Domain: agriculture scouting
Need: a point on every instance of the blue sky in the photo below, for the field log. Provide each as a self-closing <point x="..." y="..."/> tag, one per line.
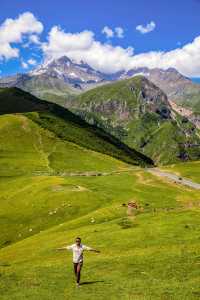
<point x="176" y="24"/>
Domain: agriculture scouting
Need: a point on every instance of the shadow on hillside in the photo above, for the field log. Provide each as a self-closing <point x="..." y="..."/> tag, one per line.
<point x="91" y="282"/>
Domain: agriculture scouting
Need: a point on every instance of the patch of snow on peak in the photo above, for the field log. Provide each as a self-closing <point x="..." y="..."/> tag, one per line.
<point x="72" y="74"/>
<point x="37" y="71"/>
<point x="141" y="74"/>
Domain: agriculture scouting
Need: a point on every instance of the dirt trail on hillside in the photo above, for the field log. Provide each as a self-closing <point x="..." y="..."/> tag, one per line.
<point x="95" y="174"/>
<point x="175" y="178"/>
<point x="155" y="171"/>
<point x="86" y="174"/>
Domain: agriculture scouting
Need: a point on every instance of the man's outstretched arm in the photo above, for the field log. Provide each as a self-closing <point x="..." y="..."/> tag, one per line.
<point x="65" y="248"/>
<point x="61" y="248"/>
<point x="94" y="250"/>
<point x="90" y="249"/>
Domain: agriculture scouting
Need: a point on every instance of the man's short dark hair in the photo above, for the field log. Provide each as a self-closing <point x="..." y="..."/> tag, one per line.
<point x="78" y="238"/>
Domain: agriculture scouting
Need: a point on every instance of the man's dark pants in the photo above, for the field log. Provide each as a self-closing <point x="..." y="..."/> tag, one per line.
<point x="77" y="271"/>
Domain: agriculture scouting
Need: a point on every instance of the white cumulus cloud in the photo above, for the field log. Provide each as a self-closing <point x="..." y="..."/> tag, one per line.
<point x="60" y="42"/>
<point x="108" y="32"/>
<point x="116" y="32"/>
<point x="186" y="59"/>
<point x="24" y="65"/>
<point x="119" y="32"/>
<point x="14" y="30"/>
<point x="83" y="46"/>
<point x="33" y="38"/>
<point x="146" y="29"/>
<point x="32" y="62"/>
<point x="29" y="63"/>
<point x="108" y="58"/>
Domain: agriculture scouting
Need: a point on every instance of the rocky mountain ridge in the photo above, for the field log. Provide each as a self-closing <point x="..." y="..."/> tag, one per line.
<point x="61" y="80"/>
<point x="138" y="113"/>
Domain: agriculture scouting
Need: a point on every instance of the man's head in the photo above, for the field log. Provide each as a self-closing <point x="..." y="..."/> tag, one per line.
<point x="78" y="241"/>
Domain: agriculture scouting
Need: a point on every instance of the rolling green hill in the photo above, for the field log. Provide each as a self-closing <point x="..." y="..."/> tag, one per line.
<point x="154" y="256"/>
<point x="139" y="114"/>
<point x="67" y="126"/>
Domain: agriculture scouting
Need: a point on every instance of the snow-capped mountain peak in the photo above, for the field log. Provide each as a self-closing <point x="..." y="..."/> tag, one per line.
<point x="68" y="70"/>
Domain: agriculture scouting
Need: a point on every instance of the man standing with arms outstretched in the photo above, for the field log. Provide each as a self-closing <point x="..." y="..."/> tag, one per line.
<point x="78" y="250"/>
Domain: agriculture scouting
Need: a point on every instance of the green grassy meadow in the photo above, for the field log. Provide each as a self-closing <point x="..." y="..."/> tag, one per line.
<point x="154" y="256"/>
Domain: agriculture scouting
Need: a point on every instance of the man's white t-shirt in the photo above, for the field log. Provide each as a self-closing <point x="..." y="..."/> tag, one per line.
<point x="78" y="252"/>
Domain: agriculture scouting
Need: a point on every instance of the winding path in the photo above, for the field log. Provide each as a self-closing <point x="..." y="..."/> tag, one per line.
<point x="175" y="178"/>
<point x="155" y="171"/>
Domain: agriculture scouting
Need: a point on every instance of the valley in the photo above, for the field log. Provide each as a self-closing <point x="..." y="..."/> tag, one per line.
<point x="61" y="177"/>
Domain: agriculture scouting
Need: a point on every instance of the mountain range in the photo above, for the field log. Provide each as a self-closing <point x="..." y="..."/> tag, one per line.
<point x="140" y="109"/>
<point x="61" y="79"/>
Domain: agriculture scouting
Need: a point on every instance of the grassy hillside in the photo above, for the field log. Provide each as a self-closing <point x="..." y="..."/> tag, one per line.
<point x="155" y="256"/>
<point x="28" y="150"/>
<point x="139" y="114"/>
<point x="67" y="126"/>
